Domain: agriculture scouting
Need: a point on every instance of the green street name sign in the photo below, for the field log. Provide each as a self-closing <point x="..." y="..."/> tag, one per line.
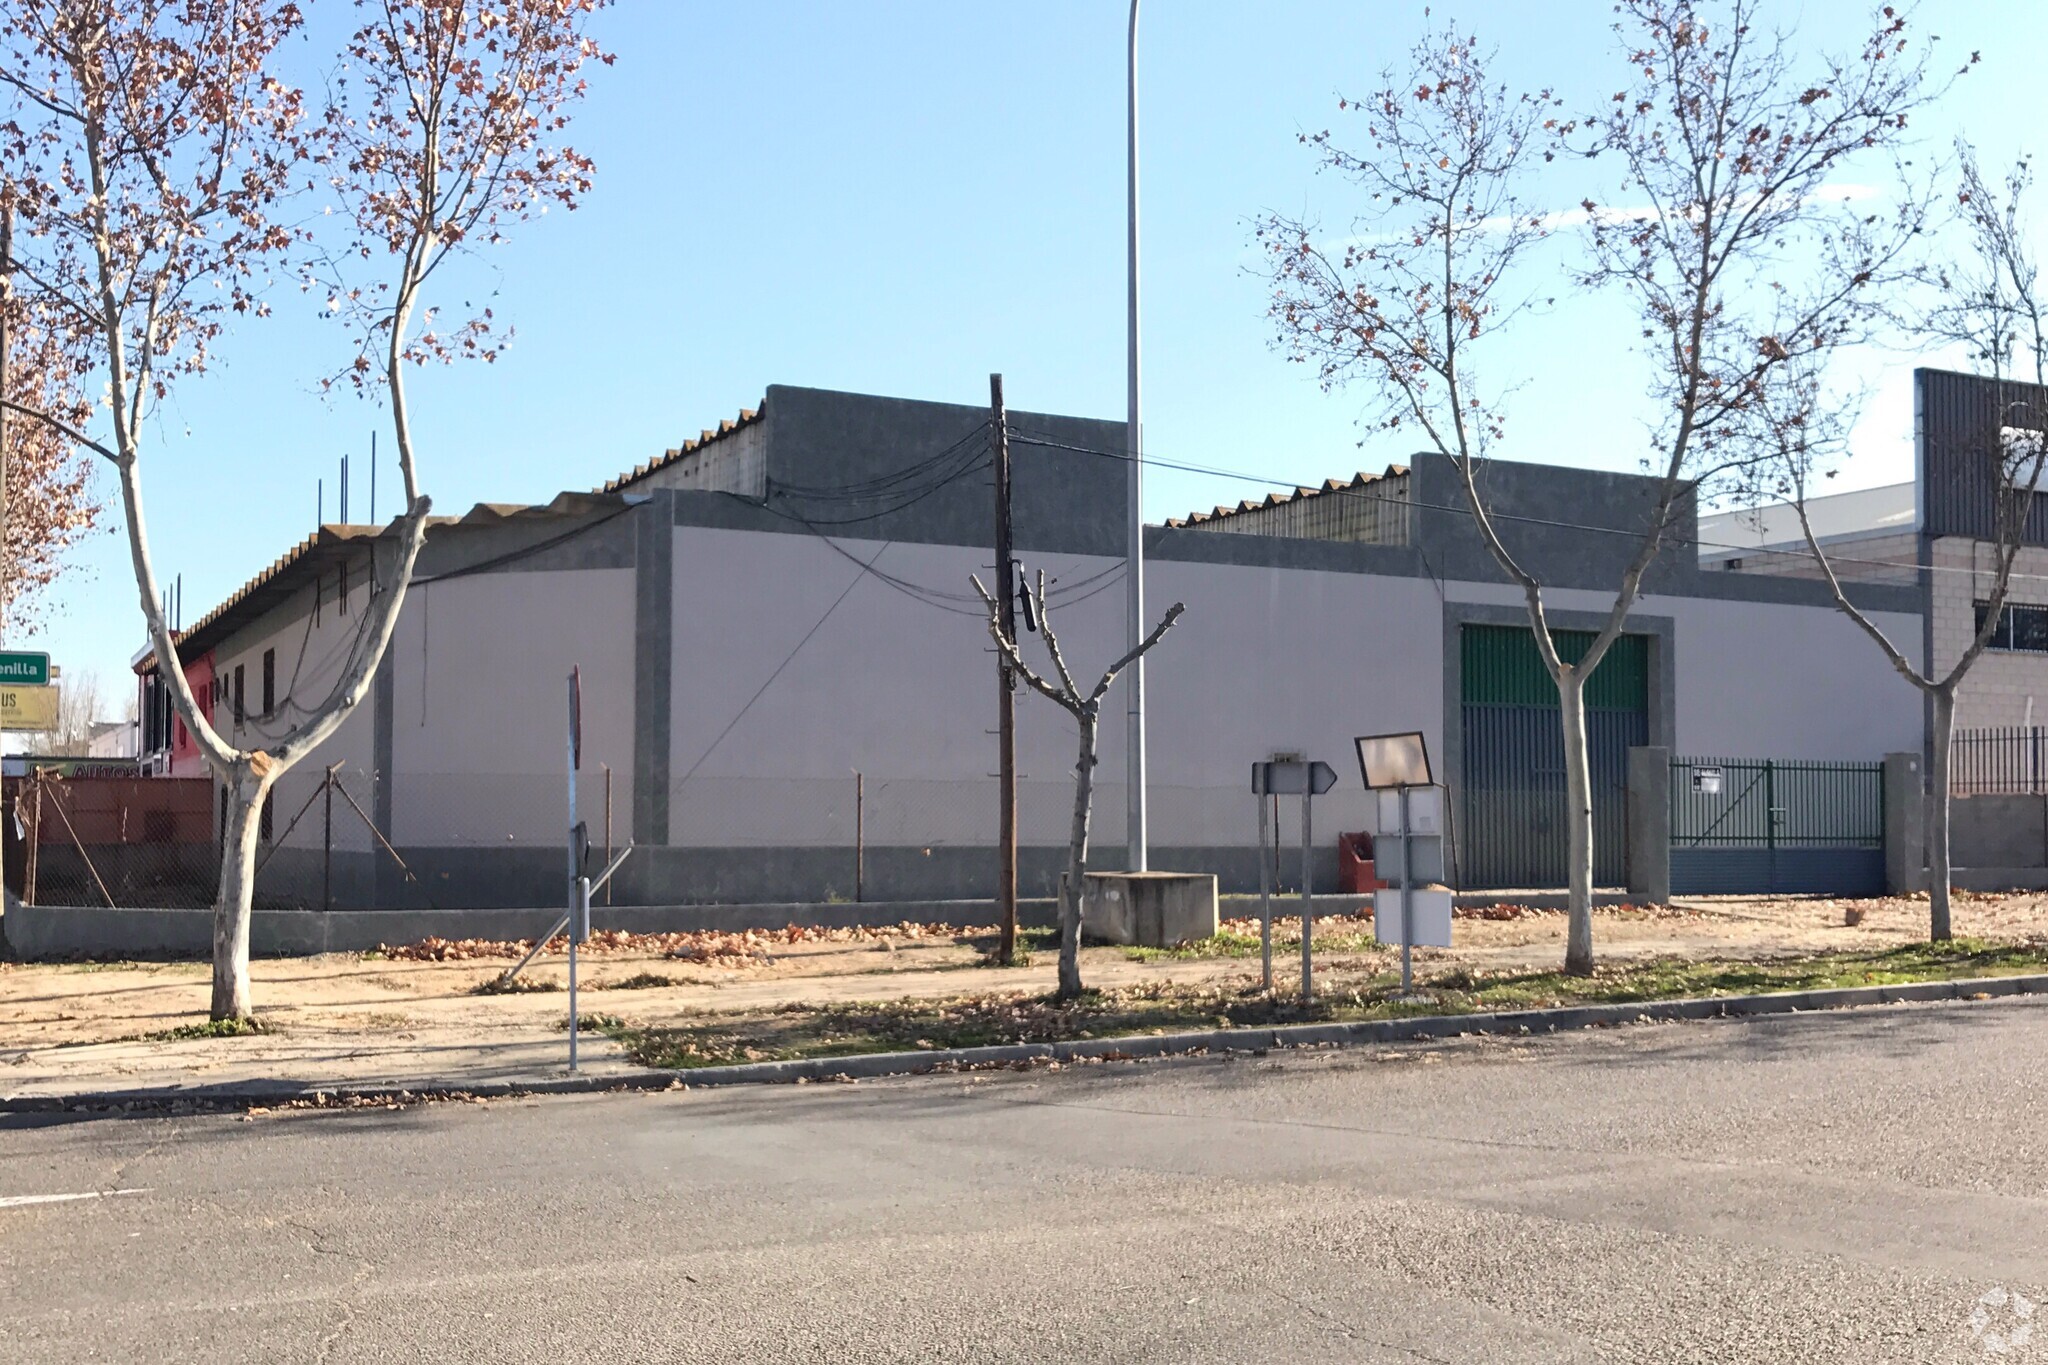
<point x="24" y="669"/>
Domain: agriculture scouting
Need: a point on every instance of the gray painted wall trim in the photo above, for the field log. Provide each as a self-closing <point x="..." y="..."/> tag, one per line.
<point x="654" y="585"/>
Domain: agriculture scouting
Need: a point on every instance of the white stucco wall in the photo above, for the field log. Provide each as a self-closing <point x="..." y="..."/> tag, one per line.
<point x="311" y="655"/>
<point x="904" y="691"/>
<point x="480" y="697"/>
<point x="1764" y="681"/>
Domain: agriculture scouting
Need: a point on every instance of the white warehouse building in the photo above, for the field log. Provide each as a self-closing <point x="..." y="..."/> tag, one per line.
<point x="781" y="657"/>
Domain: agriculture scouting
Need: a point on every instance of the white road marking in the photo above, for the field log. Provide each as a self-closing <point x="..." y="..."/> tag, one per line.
<point x="15" y="1201"/>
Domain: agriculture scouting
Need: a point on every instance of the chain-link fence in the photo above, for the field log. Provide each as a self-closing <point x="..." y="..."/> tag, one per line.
<point x="146" y="841"/>
<point x="347" y="838"/>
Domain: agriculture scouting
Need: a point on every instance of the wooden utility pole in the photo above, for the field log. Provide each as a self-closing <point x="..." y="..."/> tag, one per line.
<point x="1006" y="698"/>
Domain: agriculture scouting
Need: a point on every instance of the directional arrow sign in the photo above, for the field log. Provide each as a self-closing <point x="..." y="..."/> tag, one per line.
<point x="24" y="669"/>
<point x="1291" y="779"/>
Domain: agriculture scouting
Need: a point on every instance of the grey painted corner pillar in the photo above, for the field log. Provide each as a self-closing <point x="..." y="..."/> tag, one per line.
<point x="654" y="538"/>
<point x="1905" y="824"/>
<point x="1649" y="824"/>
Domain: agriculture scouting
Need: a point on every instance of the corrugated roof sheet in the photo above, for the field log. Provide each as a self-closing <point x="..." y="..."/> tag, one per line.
<point x="1359" y="480"/>
<point x="747" y="418"/>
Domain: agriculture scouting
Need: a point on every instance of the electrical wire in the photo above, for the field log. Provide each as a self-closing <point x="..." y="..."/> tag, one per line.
<point x="882" y="484"/>
<point x="1045" y="441"/>
<point x="769" y="682"/>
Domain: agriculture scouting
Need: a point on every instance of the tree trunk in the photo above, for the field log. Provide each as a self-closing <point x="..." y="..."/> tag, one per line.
<point x="1578" y="813"/>
<point x="1937" y="816"/>
<point x="1077" y="855"/>
<point x="247" y="788"/>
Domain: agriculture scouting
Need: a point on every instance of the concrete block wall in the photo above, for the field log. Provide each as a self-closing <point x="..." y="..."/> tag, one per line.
<point x="2002" y="687"/>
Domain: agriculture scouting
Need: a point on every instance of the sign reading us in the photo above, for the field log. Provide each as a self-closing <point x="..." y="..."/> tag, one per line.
<point x="30" y="670"/>
<point x="28" y="708"/>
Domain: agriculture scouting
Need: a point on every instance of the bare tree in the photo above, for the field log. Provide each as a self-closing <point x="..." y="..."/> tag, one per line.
<point x="1086" y="709"/>
<point x="1988" y="301"/>
<point x="80" y="704"/>
<point x="153" y="145"/>
<point x="1728" y="246"/>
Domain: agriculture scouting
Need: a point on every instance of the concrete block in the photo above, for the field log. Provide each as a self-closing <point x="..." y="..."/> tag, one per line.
<point x="1149" y="909"/>
<point x="1905" y="824"/>
<point x="1649" y="824"/>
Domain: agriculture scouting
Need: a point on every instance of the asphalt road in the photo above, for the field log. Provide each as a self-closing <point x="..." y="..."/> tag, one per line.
<point x="1841" y="1187"/>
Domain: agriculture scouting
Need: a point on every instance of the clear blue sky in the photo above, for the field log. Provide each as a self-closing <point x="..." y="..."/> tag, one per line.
<point x="899" y="197"/>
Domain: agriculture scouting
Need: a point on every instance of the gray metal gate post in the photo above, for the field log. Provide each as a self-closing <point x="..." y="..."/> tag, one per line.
<point x="1905" y="828"/>
<point x="1649" y="824"/>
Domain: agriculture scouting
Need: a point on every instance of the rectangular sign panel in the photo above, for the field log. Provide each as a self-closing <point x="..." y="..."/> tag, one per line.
<point x="1387" y="862"/>
<point x="1432" y="926"/>
<point x="28" y="708"/>
<point x="21" y="666"/>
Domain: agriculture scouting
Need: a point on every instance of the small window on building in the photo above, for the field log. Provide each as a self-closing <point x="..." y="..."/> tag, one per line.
<point x="269" y="681"/>
<point x="2023" y="629"/>
<point x="241" y="697"/>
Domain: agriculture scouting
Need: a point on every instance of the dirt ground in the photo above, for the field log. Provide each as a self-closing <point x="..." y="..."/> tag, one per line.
<point x="332" y="998"/>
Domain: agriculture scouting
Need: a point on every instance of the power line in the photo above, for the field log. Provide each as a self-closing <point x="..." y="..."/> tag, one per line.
<point x="786" y="660"/>
<point x="1045" y="441"/>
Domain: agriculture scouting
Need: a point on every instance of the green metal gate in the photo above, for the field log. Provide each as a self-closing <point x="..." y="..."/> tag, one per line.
<point x="1776" y="827"/>
<point x="1511" y="807"/>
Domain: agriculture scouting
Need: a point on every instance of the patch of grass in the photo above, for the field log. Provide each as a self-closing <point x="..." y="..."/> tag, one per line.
<point x="1232" y="944"/>
<point x="1029" y="939"/>
<point x="518" y="985"/>
<point x="211" y="1028"/>
<point x="609" y="1025"/>
<point x="122" y="964"/>
<point x="639" y="981"/>
<point x="708" y="1038"/>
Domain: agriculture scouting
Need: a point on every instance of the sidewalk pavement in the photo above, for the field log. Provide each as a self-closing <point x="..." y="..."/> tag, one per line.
<point x="267" y="1068"/>
<point x="496" y="1061"/>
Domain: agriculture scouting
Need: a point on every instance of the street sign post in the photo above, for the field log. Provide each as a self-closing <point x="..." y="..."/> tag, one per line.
<point x="1411" y="808"/>
<point x="26" y="668"/>
<point x="1288" y="777"/>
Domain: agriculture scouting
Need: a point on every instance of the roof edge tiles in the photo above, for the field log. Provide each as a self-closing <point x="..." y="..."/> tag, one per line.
<point x="1359" y="480"/>
<point x="726" y="427"/>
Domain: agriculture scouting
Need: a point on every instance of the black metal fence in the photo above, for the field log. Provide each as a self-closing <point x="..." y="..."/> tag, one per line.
<point x="1743" y="826"/>
<point x="1731" y="802"/>
<point x="2008" y="760"/>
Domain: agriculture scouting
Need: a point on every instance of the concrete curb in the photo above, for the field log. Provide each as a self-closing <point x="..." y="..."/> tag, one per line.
<point x="876" y="1065"/>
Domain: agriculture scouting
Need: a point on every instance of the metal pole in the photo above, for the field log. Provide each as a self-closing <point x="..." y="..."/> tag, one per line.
<point x="326" y="841"/>
<point x="607" y="827"/>
<point x="579" y="928"/>
<point x="1006" y="698"/>
<point x="1265" y="901"/>
<point x="1134" y="775"/>
<point x="1407" y="900"/>
<point x="860" y="837"/>
<point x="1308" y="989"/>
<point x="573" y="756"/>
